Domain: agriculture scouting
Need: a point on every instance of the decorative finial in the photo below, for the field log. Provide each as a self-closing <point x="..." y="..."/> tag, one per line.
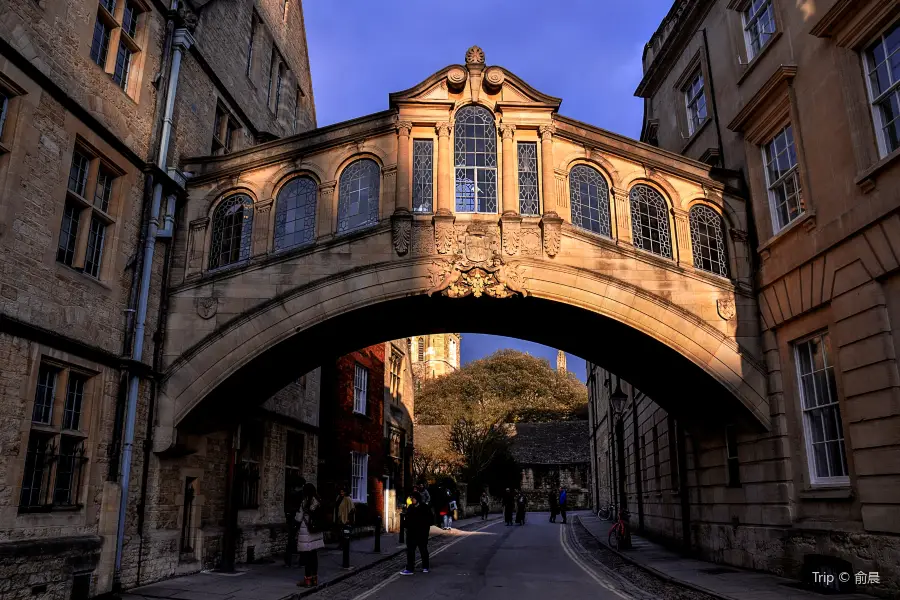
<point x="475" y="56"/>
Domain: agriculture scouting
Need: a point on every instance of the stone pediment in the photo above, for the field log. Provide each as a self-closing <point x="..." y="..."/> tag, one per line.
<point x="472" y="80"/>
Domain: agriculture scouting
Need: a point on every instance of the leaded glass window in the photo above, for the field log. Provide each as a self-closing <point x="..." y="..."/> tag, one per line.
<point x="475" y="147"/>
<point x="759" y="25"/>
<point x="650" y="221"/>
<point x="103" y="190"/>
<point x="78" y="173"/>
<point x="295" y="214"/>
<point x="68" y="234"/>
<point x="94" y="255"/>
<point x="74" y="401"/>
<point x="423" y="175"/>
<point x="232" y="225"/>
<point x="123" y="66"/>
<point x="708" y="240"/>
<point x="529" y="203"/>
<point x="589" y="197"/>
<point x="100" y="42"/>
<point x="45" y="394"/>
<point x="358" y="195"/>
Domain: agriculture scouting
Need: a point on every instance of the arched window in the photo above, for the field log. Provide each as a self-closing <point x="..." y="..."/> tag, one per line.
<point x="420" y="348"/>
<point x="589" y="196"/>
<point x="232" y="224"/>
<point x="708" y="240"/>
<point x="295" y="213"/>
<point x="650" y="221"/>
<point x="358" y="195"/>
<point x="476" y="160"/>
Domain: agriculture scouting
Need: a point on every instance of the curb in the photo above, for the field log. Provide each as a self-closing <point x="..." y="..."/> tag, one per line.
<point x="363" y="568"/>
<point x="655" y="572"/>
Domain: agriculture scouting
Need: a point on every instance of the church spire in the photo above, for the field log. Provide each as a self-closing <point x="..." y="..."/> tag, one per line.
<point x="560" y="361"/>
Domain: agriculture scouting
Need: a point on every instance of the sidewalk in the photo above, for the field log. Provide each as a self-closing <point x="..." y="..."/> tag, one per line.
<point x="724" y="581"/>
<point x="274" y="581"/>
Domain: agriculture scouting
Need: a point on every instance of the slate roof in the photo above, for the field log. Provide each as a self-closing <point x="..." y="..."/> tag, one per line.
<point x="554" y="443"/>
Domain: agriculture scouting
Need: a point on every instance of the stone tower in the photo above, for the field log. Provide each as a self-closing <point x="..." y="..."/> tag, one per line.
<point x="560" y="361"/>
<point x="434" y="355"/>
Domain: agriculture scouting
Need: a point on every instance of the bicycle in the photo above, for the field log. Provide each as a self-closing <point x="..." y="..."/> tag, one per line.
<point x="606" y="512"/>
<point x="618" y="533"/>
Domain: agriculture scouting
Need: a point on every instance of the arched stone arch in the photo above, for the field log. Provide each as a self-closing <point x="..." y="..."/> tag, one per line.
<point x="662" y="185"/>
<point x="226" y="188"/>
<point x="288" y="172"/>
<point x="238" y="343"/>
<point x="487" y="103"/>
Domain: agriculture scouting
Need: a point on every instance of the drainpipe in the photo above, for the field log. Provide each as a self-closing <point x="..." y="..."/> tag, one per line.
<point x="181" y="43"/>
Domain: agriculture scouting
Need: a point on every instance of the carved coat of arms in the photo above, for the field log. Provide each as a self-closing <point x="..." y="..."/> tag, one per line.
<point x="207" y="307"/>
<point x="726" y="308"/>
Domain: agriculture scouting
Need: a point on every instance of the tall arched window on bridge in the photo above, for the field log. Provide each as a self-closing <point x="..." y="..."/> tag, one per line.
<point x="650" y="221"/>
<point x="420" y="349"/>
<point x="232" y="224"/>
<point x="475" y="151"/>
<point x="589" y="196"/>
<point x="358" y="195"/>
<point x="295" y="213"/>
<point x="708" y="240"/>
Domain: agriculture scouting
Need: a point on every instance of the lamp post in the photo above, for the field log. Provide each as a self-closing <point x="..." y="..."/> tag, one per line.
<point x="617" y="400"/>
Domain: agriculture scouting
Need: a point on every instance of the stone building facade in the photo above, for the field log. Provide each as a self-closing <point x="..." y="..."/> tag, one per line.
<point x="87" y="149"/>
<point x="435" y="355"/>
<point x="796" y="102"/>
<point x="553" y="455"/>
<point x="368" y="413"/>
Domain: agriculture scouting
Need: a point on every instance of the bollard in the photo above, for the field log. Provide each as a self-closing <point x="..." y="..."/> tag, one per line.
<point x="378" y="534"/>
<point x="345" y="535"/>
<point x="402" y="538"/>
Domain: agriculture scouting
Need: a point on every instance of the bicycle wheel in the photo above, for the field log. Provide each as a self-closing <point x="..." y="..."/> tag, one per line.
<point x="613" y="539"/>
<point x="604" y="513"/>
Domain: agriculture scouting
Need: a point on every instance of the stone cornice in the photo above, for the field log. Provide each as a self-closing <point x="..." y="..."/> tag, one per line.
<point x="839" y="22"/>
<point x="766" y="94"/>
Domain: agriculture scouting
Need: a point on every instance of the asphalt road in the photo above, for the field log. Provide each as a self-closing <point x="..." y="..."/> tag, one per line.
<point x="539" y="561"/>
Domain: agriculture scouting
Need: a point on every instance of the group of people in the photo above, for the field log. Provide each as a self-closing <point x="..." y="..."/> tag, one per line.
<point x="514" y="501"/>
<point x="557" y="502"/>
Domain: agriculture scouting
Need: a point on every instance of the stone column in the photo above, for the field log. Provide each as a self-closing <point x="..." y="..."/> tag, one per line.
<point x="404" y="167"/>
<point x="548" y="181"/>
<point x="327" y="210"/>
<point x="444" y="159"/>
<point x="510" y="201"/>
<point x="681" y="238"/>
<point x="261" y="234"/>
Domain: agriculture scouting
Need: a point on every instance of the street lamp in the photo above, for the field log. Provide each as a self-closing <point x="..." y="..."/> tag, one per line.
<point x="618" y="398"/>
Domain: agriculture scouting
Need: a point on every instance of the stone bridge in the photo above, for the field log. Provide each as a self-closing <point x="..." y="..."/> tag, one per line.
<point x="470" y="204"/>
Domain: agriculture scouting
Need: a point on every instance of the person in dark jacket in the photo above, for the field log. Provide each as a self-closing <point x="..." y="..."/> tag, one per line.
<point x="509" y="502"/>
<point x="485" y="505"/>
<point x="521" y="503"/>
<point x="562" y="503"/>
<point x="553" y="502"/>
<point x="418" y="525"/>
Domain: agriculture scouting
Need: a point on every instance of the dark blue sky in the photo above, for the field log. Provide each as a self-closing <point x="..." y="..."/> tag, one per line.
<point x="587" y="52"/>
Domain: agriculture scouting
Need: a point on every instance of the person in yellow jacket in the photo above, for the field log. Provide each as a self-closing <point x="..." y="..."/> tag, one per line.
<point x="344" y="509"/>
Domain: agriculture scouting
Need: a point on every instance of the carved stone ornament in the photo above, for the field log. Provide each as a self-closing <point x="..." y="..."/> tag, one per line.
<point x="494" y="77"/>
<point x="726" y="308"/>
<point x="443" y="129"/>
<point x="507" y="131"/>
<point x="547" y="131"/>
<point x="464" y="277"/>
<point x="552" y="225"/>
<point x="443" y="235"/>
<point x="404" y="127"/>
<point x="401" y="231"/>
<point x="475" y="56"/>
<point x="456" y="77"/>
<point x="207" y="307"/>
<point x="510" y="231"/>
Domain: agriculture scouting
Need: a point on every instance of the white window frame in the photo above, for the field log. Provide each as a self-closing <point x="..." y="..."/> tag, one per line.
<point x="894" y="88"/>
<point x="771" y="186"/>
<point x="745" y="23"/>
<point x="359" y="476"/>
<point x="360" y="388"/>
<point x="814" y="478"/>
<point x="692" y="102"/>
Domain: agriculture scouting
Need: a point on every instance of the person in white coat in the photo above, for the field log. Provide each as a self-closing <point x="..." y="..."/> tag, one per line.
<point x="309" y="542"/>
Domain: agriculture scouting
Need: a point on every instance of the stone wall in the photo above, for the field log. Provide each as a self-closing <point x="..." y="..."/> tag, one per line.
<point x="538" y="481"/>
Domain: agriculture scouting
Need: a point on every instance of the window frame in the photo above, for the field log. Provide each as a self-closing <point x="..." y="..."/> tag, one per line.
<point x="395" y="368"/>
<point x="665" y="219"/>
<point x="792" y="172"/>
<point x="360" y="389"/>
<point x="603" y="203"/>
<point x="476" y="169"/>
<point x="345" y="190"/>
<point x="125" y="31"/>
<point x="245" y="240"/>
<point x="689" y="100"/>
<point x="536" y="200"/>
<point x="814" y="479"/>
<point x="359" y="477"/>
<point x="225" y="130"/>
<point x="893" y="89"/>
<point x="421" y="171"/>
<point x="308" y="229"/>
<point x="83" y="204"/>
<point x="748" y="45"/>
<point x="696" y="243"/>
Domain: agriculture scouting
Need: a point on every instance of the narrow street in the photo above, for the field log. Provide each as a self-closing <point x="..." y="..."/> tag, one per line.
<point x="537" y="561"/>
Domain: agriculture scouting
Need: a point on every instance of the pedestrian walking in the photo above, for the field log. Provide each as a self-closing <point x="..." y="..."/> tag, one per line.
<point x="291" y="506"/>
<point x="426" y="497"/>
<point x="418" y="525"/>
<point x="562" y="504"/>
<point x="309" y="535"/>
<point x="521" y="503"/>
<point x="485" y="505"/>
<point x="445" y="510"/>
<point x="508" y="502"/>
<point x="553" y="502"/>
<point x="344" y="509"/>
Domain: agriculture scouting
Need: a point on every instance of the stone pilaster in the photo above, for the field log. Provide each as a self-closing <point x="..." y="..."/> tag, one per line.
<point x="547" y="178"/>
<point x="404" y="167"/>
<point x="681" y="238"/>
<point x="622" y="216"/>
<point x="261" y="235"/>
<point x="444" y="160"/>
<point x="510" y="200"/>
<point x="196" y="246"/>
<point x="328" y="210"/>
<point x="551" y="226"/>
